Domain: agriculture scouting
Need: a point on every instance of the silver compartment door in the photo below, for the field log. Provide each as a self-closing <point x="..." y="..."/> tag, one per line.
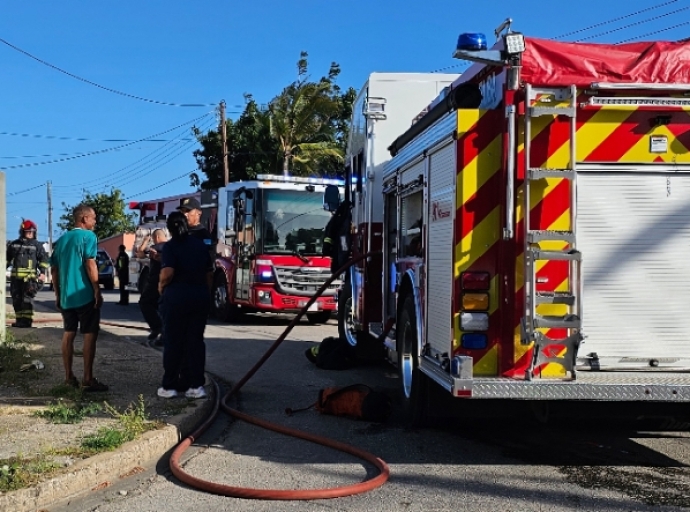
<point x="633" y="229"/>
<point x="440" y="217"/>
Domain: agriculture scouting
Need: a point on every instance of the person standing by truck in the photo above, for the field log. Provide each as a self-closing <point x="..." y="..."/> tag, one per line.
<point x="186" y="275"/>
<point x="78" y="295"/>
<point x="29" y="265"/>
<point x="148" y="300"/>
<point x="122" y="265"/>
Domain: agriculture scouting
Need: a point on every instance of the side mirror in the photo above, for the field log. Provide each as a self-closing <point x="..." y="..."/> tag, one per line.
<point x="331" y="198"/>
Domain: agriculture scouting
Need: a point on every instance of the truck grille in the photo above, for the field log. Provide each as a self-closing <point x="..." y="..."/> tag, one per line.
<point x="304" y="280"/>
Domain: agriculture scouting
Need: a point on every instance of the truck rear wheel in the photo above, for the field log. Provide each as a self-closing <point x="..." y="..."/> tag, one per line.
<point x="413" y="383"/>
<point x="223" y="309"/>
<point x="346" y="325"/>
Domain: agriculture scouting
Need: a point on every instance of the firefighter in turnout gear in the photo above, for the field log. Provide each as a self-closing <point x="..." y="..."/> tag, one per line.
<point x="29" y="265"/>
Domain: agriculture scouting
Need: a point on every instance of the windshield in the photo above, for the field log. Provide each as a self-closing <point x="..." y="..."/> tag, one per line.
<point x="293" y="222"/>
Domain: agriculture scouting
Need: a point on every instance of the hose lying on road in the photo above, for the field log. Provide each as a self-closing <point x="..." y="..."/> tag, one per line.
<point x="279" y="494"/>
<point x="272" y="494"/>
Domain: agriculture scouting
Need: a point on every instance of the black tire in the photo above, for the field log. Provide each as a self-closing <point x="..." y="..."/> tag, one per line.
<point x="321" y="317"/>
<point x="223" y="309"/>
<point x="414" y="385"/>
<point x="109" y="284"/>
<point x="346" y="329"/>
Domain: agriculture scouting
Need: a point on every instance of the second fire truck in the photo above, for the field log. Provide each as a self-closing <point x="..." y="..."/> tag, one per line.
<point x="534" y="224"/>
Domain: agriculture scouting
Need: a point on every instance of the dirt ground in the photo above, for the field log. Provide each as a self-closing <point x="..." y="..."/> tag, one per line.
<point x="126" y="364"/>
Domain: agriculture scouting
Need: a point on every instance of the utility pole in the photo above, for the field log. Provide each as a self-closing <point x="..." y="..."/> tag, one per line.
<point x="224" y="138"/>
<point x="3" y="256"/>
<point x="50" y="217"/>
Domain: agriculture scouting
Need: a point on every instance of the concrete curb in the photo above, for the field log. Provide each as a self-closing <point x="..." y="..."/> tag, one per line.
<point x="101" y="469"/>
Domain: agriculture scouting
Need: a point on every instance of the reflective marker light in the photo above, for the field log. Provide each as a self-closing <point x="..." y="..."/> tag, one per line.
<point x="474" y="341"/>
<point x="471" y="42"/>
<point x="474" y="321"/>
<point x="475" y="301"/>
<point x="475" y="280"/>
<point x="515" y="42"/>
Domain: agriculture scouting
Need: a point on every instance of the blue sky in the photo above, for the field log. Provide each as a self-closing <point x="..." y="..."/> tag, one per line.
<point x="179" y="52"/>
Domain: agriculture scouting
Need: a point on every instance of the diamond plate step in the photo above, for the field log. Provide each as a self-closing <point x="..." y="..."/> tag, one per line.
<point x="539" y="236"/>
<point x="539" y="173"/>
<point x="554" y="298"/>
<point x="567" y="255"/>
<point x="557" y="322"/>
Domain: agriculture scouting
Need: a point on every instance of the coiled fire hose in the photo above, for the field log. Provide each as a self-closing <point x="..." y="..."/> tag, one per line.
<point x="280" y="494"/>
<point x="274" y="494"/>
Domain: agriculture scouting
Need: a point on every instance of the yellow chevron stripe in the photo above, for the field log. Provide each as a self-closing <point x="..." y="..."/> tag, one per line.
<point x="477" y="242"/>
<point x="599" y="128"/>
<point x="467" y="119"/>
<point x="487" y="366"/>
<point x="677" y="153"/>
<point x="538" y="192"/>
<point x="478" y="171"/>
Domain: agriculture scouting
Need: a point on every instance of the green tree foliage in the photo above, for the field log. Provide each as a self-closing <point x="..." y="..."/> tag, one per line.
<point x="303" y="131"/>
<point x="111" y="215"/>
<point x="251" y="149"/>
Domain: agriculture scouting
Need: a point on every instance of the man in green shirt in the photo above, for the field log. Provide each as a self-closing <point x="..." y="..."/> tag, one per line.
<point x="77" y="293"/>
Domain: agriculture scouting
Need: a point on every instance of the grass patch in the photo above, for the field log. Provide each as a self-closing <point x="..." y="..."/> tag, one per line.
<point x="67" y="392"/>
<point x="64" y="413"/>
<point x="131" y="423"/>
<point x="17" y="472"/>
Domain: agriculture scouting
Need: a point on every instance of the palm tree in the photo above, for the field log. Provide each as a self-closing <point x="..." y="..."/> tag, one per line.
<point x="302" y="120"/>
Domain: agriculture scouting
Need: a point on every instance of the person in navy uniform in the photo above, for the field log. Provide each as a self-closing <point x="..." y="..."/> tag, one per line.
<point x="184" y="284"/>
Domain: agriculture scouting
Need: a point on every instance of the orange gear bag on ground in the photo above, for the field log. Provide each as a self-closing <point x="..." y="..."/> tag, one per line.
<point x="357" y="401"/>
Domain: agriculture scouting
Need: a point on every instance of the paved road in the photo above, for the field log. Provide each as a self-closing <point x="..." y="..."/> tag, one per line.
<point x="471" y="463"/>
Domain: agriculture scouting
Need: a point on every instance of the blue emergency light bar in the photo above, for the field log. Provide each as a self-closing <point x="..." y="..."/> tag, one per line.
<point x="471" y="42"/>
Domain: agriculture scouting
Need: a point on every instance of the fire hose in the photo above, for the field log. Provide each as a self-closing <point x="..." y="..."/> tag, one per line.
<point x="280" y="494"/>
<point x="275" y="494"/>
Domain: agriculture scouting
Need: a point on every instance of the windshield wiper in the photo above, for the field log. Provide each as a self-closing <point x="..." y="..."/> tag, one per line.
<point x="299" y="255"/>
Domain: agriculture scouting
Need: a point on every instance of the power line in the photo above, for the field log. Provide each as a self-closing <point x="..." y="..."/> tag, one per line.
<point x="26" y="190"/>
<point x="80" y="139"/>
<point x="114" y="91"/>
<point x="464" y="64"/>
<point x="642" y="22"/>
<point x="134" y="167"/>
<point x="107" y="150"/>
<point x="161" y="185"/>
<point x="57" y="154"/>
<point x="619" y="18"/>
<point x="654" y="33"/>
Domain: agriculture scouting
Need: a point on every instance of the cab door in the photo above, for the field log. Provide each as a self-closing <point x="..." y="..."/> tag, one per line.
<point x="246" y="220"/>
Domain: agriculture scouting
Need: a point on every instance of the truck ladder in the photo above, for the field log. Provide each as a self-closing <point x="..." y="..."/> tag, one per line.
<point x="561" y="351"/>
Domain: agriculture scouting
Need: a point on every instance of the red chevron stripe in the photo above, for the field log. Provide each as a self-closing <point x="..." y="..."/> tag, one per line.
<point x="476" y="139"/>
<point x="622" y="138"/>
<point x="477" y="207"/>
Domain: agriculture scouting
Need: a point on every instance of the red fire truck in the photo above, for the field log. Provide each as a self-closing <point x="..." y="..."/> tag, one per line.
<point x="533" y="223"/>
<point x="270" y="237"/>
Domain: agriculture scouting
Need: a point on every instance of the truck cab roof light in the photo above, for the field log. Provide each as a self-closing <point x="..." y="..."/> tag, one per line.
<point x="274" y="178"/>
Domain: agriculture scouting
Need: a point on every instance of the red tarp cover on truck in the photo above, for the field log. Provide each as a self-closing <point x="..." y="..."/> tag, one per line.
<point x="554" y="63"/>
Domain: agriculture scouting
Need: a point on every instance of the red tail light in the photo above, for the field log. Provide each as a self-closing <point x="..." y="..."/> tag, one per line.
<point x="475" y="280"/>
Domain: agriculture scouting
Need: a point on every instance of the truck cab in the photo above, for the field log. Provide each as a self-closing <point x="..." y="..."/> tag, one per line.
<point x="269" y="252"/>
